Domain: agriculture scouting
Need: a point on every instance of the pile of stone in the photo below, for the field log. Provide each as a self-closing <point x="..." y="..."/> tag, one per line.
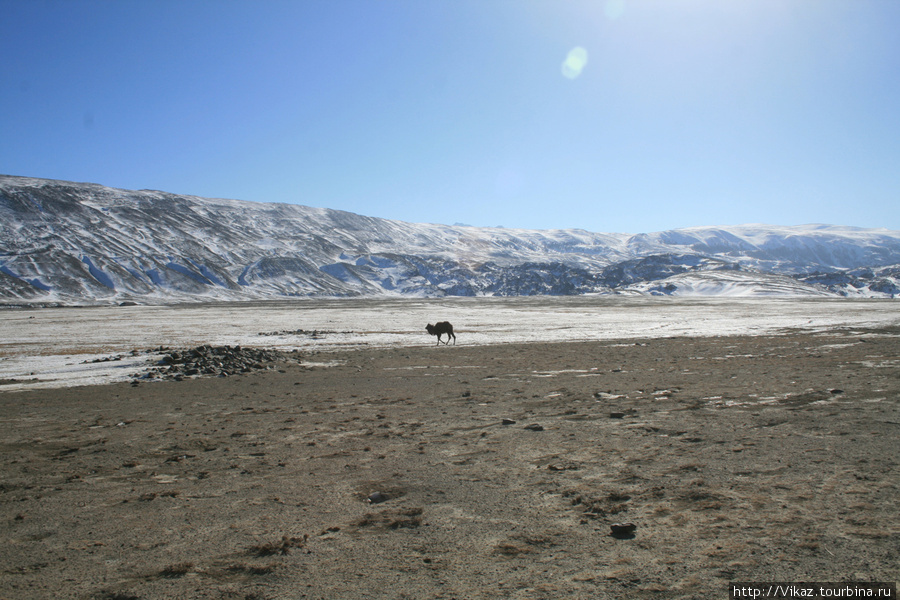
<point x="314" y="334"/>
<point x="220" y="361"/>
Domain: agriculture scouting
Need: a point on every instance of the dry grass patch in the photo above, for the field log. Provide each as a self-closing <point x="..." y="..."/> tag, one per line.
<point x="177" y="570"/>
<point x="282" y="546"/>
<point x="397" y="518"/>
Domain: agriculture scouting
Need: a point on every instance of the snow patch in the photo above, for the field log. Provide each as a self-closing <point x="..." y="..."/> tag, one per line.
<point x="97" y="273"/>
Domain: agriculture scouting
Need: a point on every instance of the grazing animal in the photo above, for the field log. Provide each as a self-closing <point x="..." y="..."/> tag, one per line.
<point x="440" y="329"/>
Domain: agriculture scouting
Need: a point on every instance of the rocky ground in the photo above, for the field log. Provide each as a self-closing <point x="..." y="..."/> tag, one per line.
<point x="463" y="472"/>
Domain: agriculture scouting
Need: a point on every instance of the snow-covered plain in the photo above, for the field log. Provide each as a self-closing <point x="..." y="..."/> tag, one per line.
<point x="56" y="347"/>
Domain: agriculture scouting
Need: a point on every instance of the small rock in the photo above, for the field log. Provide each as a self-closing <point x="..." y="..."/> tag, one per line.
<point x="377" y="498"/>
<point x="617" y="415"/>
<point x="534" y="427"/>
<point x="623" y="530"/>
<point x="508" y="422"/>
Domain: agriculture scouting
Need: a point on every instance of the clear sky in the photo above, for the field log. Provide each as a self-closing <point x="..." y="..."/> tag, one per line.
<point x="607" y="115"/>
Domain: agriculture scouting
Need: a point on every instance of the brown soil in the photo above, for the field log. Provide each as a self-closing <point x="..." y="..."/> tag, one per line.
<point x="465" y="472"/>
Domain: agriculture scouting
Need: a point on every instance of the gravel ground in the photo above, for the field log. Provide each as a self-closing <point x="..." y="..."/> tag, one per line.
<point x="464" y="472"/>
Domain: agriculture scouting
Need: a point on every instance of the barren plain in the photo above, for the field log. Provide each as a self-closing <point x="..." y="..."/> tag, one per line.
<point x="474" y="471"/>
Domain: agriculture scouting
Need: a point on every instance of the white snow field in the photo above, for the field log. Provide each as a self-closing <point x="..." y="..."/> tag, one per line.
<point x="56" y="347"/>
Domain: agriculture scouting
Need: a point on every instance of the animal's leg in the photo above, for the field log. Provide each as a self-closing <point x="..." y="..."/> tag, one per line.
<point x="454" y="338"/>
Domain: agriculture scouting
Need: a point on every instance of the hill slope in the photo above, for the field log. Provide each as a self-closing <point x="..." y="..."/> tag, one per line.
<point x="77" y="242"/>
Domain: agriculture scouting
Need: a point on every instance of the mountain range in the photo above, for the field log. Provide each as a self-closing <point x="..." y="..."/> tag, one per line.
<point x="79" y="243"/>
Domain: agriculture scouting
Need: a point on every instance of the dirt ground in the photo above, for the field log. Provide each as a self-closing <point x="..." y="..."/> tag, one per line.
<point x="465" y="472"/>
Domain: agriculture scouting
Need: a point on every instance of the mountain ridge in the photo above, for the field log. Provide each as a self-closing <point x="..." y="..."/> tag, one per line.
<point x="71" y="242"/>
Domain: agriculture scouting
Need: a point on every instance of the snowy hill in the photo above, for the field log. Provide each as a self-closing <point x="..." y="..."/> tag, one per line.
<point x="86" y="243"/>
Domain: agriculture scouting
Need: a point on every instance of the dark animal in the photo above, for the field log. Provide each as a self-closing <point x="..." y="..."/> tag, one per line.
<point x="440" y="329"/>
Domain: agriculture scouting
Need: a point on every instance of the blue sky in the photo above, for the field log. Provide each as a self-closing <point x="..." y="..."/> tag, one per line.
<point x="668" y="113"/>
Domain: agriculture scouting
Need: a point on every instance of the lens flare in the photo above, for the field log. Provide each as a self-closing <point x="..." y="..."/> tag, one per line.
<point x="575" y="62"/>
<point x="614" y="9"/>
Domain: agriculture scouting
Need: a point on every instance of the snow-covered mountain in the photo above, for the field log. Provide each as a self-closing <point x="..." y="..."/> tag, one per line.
<point x="82" y="243"/>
